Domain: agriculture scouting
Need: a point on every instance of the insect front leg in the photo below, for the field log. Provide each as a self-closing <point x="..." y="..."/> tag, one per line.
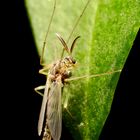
<point x="45" y="69"/>
<point x="45" y="40"/>
<point x="37" y="89"/>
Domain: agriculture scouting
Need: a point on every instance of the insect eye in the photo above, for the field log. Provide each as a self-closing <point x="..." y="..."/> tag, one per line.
<point x="73" y="61"/>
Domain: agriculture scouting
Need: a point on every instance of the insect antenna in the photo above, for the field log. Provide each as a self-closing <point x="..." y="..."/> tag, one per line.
<point x="69" y="51"/>
<point x="45" y="40"/>
<point x="73" y="44"/>
<point x="75" y="25"/>
<point x="63" y="43"/>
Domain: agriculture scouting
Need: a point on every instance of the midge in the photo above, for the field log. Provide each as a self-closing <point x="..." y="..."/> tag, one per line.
<point x="57" y="73"/>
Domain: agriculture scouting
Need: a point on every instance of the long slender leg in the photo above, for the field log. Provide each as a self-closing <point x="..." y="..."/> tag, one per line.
<point x="78" y="20"/>
<point x="83" y="77"/>
<point x="75" y="25"/>
<point x="45" y="69"/>
<point x="45" y="40"/>
<point x="91" y="76"/>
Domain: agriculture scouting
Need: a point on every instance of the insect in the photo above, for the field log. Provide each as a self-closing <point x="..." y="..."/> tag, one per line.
<point x="58" y="73"/>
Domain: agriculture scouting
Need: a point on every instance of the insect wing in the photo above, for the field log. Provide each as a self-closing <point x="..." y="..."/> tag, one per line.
<point x="54" y="110"/>
<point x="43" y="108"/>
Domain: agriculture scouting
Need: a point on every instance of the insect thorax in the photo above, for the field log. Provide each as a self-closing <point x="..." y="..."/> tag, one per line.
<point x="62" y="68"/>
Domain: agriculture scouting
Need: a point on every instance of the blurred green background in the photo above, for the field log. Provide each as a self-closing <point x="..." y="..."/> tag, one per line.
<point x="107" y="29"/>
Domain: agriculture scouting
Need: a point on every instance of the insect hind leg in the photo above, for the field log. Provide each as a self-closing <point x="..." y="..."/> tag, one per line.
<point x="65" y="106"/>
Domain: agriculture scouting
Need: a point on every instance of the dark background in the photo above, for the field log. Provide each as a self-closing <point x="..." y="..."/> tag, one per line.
<point x="20" y="65"/>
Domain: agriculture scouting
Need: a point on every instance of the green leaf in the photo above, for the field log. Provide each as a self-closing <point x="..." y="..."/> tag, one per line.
<point x="107" y="29"/>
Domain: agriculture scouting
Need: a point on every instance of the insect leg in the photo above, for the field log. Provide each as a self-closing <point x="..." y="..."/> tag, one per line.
<point x="45" y="40"/>
<point x="91" y="76"/>
<point x="67" y="110"/>
<point x="76" y="23"/>
<point x="65" y="105"/>
<point x="44" y="70"/>
<point x="78" y="20"/>
<point x="39" y="88"/>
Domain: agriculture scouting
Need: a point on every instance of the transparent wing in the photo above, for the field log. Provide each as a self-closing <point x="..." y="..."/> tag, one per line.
<point x="43" y="108"/>
<point x="54" y="110"/>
